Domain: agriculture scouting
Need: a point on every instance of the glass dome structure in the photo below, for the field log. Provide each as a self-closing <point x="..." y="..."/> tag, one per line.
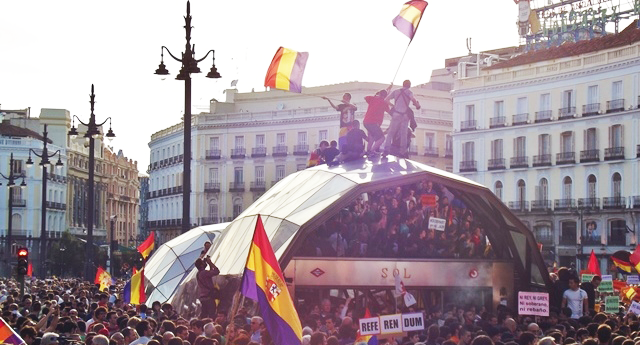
<point x="298" y="205"/>
<point x="173" y="260"/>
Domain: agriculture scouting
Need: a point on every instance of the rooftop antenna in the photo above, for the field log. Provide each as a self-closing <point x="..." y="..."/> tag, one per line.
<point x="469" y="45"/>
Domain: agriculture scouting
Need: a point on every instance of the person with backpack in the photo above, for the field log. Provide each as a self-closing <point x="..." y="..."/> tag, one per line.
<point x="401" y="115"/>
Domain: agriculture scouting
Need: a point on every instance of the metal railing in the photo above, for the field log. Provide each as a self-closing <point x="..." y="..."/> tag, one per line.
<point x="238" y="152"/>
<point x="566" y="113"/>
<point x="541" y="205"/>
<point x="212" y="187"/>
<point x="591" y="109"/>
<point x="16" y="202"/>
<point x="279" y="151"/>
<point x="613" y="153"/>
<point x="496" y="164"/>
<point x="257" y="186"/>
<point x="213" y="154"/>
<point x="636" y="201"/>
<point x="431" y="151"/>
<point x="614" y="202"/>
<point x="615" y="105"/>
<point x="543" y="115"/>
<point x="565" y="158"/>
<point x="589" y="203"/>
<point x="469" y="125"/>
<point x="259" y="152"/>
<point x="236" y="186"/>
<point x="520" y="119"/>
<point x="564" y="204"/>
<point x="301" y="149"/>
<point x="210" y="220"/>
<point x="519" y="162"/>
<point x="498" y="121"/>
<point x="521" y="206"/>
<point x="466" y="166"/>
<point x="589" y="156"/>
<point x="543" y="238"/>
<point x="541" y="160"/>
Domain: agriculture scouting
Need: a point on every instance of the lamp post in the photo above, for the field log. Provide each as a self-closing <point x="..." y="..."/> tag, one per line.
<point x="93" y="132"/>
<point x="11" y="184"/>
<point x="44" y="161"/>
<point x="189" y="65"/>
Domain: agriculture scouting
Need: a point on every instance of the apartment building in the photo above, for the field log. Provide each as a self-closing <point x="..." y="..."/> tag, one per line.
<point x="123" y="196"/>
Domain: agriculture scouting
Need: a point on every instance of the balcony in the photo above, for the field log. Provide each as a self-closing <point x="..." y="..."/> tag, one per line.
<point x="613" y="153"/>
<point x="258" y="152"/>
<point x="542" y="160"/>
<point x="543" y="116"/>
<point x="589" y="203"/>
<point x="565" y="158"/>
<point x="468" y="166"/>
<point x="236" y="186"/>
<point x="496" y="164"/>
<point x="520" y="119"/>
<point x="615" y="106"/>
<point x="15" y="202"/>
<point x="568" y="240"/>
<point x="519" y="162"/>
<point x="498" y="121"/>
<point x="591" y="109"/>
<point x="617" y="240"/>
<point x="56" y="178"/>
<point x="566" y="113"/>
<point x="210" y="220"/>
<point x="448" y="152"/>
<point x="431" y="151"/>
<point x="212" y="154"/>
<point x="586" y="241"/>
<point x="258" y="186"/>
<point x="56" y="205"/>
<point x="279" y="151"/>
<point x="541" y="205"/>
<point x="212" y="187"/>
<point x="469" y="125"/>
<point x="564" y="204"/>
<point x="589" y="156"/>
<point x="519" y="206"/>
<point x="301" y="150"/>
<point x="638" y="151"/>
<point x="544" y="238"/>
<point x="238" y="153"/>
<point x="614" y="202"/>
<point x="636" y="201"/>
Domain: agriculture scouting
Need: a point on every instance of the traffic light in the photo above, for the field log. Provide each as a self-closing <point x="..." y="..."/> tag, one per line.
<point x="23" y="261"/>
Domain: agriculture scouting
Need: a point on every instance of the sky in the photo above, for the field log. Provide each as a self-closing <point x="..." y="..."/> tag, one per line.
<point x="52" y="51"/>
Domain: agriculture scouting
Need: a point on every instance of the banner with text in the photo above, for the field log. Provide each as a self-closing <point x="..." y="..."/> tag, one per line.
<point x="392" y="324"/>
<point x="606" y="285"/>
<point x="533" y="303"/>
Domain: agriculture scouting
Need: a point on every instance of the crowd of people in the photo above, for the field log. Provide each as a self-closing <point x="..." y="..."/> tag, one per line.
<point x="395" y="222"/>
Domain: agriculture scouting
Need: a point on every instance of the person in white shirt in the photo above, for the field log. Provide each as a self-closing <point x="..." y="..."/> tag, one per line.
<point x="576" y="299"/>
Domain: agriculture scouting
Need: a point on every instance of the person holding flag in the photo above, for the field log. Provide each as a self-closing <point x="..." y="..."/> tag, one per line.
<point x="401" y="115"/>
<point x="208" y="293"/>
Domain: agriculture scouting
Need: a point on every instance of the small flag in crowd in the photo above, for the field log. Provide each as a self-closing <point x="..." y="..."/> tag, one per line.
<point x="366" y="339"/>
<point x="264" y="282"/>
<point x="8" y="335"/>
<point x="409" y="300"/>
<point x="286" y="70"/>
<point x="621" y="261"/>
<point x="147" y="246"/>
<point x="409" y="18"/>
<point x="134" y="289"/>
<point x="103" y="278"/>
<point x="634" y="258"/>
<point x="594" y="265"/>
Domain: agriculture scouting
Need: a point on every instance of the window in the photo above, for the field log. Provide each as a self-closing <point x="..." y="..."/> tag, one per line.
<point x="568" y="232"/>
<point x="567" y="99"/>
<point x="213" y="175"/>
<point x="591" y="139"/>
<point x="616" y="90"/>
<point x="544" y="144"/>
<point x="520" y="147"/>
<point x="615" y="136"/>
<point x="302" y="138"/>
<point x="545" y="102"/>
<point x="239" y="143"/>
<point x="521" y="192"/>
<point x="468" y="151"/>
<point x="237" y="207"/>
<point x="543" y="233"/>
<point x="566" y="142"/>
<point x="522" y="105"/>
<point x="617" y="232"/>
<point x="497" y="189"/>
<point x="238" y="175"/>
<point x="17" y="166"/>
<point x="470" y="112"/>
<point x="429" y="140"/>
<point x="281" y="139"/>
<point x="213" y="209"/>
<point x="543" y="190"/>
<point x="616" y="185"/>
<point x="591" y="187"/>
<point x="498" y="108"/>
<point x="448" y="141"/>
<point x="567" y="185"/>
<point x="323" y="135"/>
<point x="496" y="149"/>
<point x="280" y="172"/>
<point x="259" y="173"/>
<point x="592" y="94"/>
<point x="214" y="143"/>
<point x="260" y="140"/>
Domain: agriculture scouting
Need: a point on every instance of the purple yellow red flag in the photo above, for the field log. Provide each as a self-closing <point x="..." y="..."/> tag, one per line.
<point x="286" y="70"/>
<point x="634" y="258"/>
<point x="8" y="335"/>
<point x="409" y="18"/>
<point x="134" y="289"/>
<point x="147" y="246"/>
<point x="264" y="282"/>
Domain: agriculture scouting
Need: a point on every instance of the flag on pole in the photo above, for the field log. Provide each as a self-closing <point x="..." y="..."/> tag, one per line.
<point x="134" y="271"/>
<point x="134" y="289"/>
<point x="264" y="282"/>
<point x="8" y="335"/>
<point x="409" y="18"/>
<point x="286" y="70"/>
<point x="103" y="278"/>
<point x="408" y="298"/>
<point x="594" y="265"/>
<point x="147" y="246"/>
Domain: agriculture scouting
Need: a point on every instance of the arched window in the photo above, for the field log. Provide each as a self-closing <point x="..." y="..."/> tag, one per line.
<point x="521" y="192"/>
<point x="543" y="190"/>
<point x="591" y="187"/>
<point x="498" y="189"/>
<point x="237" y="207"/>
<point x="616" y="184"/>
<point x="567" y="186"/>
<point x="213" y="211"/>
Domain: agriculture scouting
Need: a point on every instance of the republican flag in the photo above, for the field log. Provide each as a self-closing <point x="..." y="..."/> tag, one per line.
<point x="134" y="270"/>
<point x="409" y="18"/>
<point x="134" y="289"/>
<point x="634" y="258"/>
<point x="366" y="339"/>
<point x="263" y="282"/>
<point x="8" y="335"/>
<point x="594" y="265"/>
<point x="623" y="267"/>
<point x="147" y="246"/>
<point x="286" y="70"/>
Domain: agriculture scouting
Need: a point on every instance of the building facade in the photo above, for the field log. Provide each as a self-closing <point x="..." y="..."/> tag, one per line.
<point x="143" y="207"/>
<point x="246" y="144"/>
<point x="123" y="197"/>
<point x="555" y="134"/>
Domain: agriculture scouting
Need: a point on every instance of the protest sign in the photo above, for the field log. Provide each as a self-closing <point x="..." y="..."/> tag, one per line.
<point x="633" y="279"/>
<point x="612" y="304"/>
<point x="437" y="224"/>
<point x="370" y="326"/>
<point x="391" y="323"/>
<point x="412" y="322"/>
<point x="606" y="285"/>
<point x="635" y="308"/>
<point x="533" y="303"/>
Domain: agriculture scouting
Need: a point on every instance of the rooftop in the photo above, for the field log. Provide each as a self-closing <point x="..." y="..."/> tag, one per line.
<point x="9" y="130"/>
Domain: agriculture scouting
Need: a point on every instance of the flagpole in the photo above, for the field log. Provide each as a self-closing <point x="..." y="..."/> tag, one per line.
<point x="401" y="61"/>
